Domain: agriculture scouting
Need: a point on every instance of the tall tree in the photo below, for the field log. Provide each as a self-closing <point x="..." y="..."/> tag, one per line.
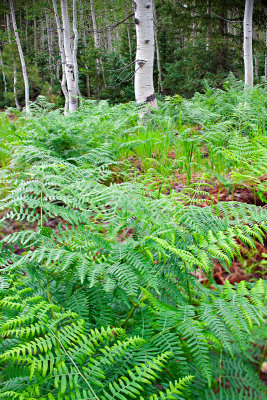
<point x="145" y="48"/>
<point x="62" y="56"/>
<point x="247" y="44"/>
<point x="22" y="60"/>
<point x="14" y="66"/>
<point x="72" y="85"/>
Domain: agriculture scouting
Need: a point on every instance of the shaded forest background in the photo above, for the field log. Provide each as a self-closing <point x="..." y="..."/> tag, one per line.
<point x="197" y="43"/>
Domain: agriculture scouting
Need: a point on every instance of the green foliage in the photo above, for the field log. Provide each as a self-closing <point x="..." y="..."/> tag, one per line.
<point x="99" y="291"/>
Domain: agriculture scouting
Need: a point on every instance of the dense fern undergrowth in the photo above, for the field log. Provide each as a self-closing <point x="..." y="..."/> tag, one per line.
<point x="113" y="223"/>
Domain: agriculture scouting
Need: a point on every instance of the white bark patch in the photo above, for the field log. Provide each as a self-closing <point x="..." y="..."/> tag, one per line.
<point x="70" y="62"/>
<point x="144" y="86"/>
<point x="22" y="60"/>
<point x="247" y="44"/>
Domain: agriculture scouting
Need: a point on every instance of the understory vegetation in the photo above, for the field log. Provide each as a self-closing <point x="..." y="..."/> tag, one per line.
<point x="110" y="232"/>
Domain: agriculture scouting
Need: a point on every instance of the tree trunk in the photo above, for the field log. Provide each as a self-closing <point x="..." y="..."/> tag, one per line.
<point x="88" y="89"/>
<point x="160" y="90"/>
<point x="62" y="56"/>
<point x="99" y="63"/>
<point x="129" y="37"/>
<point x="248" y="55"/>
<point x="143" y="83"/>
<point x="14" y="67"/>
<point x="3" y="72"/>
<point x="75" y="47"/>
<point x="42" y="36"/>
<point x="34" y="35"/>
<point x="69" y="64"/>
<point x="49" y="43"/>
<point x="22" y="60"/>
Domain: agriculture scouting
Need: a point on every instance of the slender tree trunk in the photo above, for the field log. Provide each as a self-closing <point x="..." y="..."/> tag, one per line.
<point x="160" y="90"/>
<point x="62" y="56"/>
<point x="3" y="72"/>
<point x="143" y="84"/>
<point x="34" y="34"/>
<point x="96" y="38"/>
<point x="129" y="38"/>
<point x="14" y="67"/>
<point x="208" y="25"/>
<point x="42" y="36"/>
<point x="248" y="55"/>
<point x="256" y="63"/>
<point x="75" y="47"/>
<point x="99" y="63"/>
<point x="69" y="65"/>
<point x="87" y="78"/>
<point x="22" y="60"/>
<point x="49" y="43"/>
<point x="18" y="106"/>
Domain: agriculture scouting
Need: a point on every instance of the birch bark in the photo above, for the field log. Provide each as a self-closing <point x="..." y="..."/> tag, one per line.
<point x="145" y="46"/>
<point x="22" y="60"/>
<point x="3" y="72"/>
<point x="99" y="64"/>
<point x="14" y="67"/>
<point x="49" y="42"/>
<point x="62" y="57"/>
<point x="157" y="48"/>
<point x="247" y="43"/>
<point x="69" y="64"/>
<point x="75" y="47"/>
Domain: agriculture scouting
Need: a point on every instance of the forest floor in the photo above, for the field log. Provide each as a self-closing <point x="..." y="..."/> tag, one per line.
<point x="200" y="166"/>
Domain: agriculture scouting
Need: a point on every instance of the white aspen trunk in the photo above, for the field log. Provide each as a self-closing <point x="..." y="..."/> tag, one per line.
<point x="247" y="44"/>
<point x="14" y="67"/>
<point x="49" y="43"/>
<point x="69" y="64"/>
<point x="157" y="49"/>
<point x="62" y="56"/>
<point x="18" y="106"/>
<point x="88" y="90"/>
<point x="145" y="47"/>
<point x="22" y="60"/>
<point x="3" y="72"/>
<point x="75" y="47"/>
<point x="99" y="64"/>
<point x="96" y="38"/>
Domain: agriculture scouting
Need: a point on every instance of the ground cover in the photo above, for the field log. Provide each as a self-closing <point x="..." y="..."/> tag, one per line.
<point x="133" y="256"/>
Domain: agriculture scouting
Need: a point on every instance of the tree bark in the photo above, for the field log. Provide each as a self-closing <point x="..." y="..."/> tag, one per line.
<point x="145" y="46"/>
<point x="62" y="56"/>
<point x="34" y="34"/>
<point x="75" y="47"/>
<point x="69" y="64"/>
<point x="3" y="72"/>
<point x="247" y="44"/>
<point x="22" y="60"/>
<point x="49" y="43"/>
<point x="160" y="90"/>
<point x="14" y="67"/>
<point x="99" y="64"/>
